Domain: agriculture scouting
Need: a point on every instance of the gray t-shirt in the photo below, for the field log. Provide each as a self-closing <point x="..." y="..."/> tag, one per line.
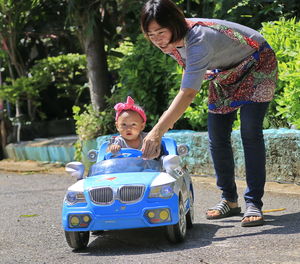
<point x="207" y="49"/>
<point x="119" y="140"/>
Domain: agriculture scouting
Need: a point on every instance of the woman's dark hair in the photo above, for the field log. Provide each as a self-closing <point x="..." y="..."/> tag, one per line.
<point x="167" y="15"/>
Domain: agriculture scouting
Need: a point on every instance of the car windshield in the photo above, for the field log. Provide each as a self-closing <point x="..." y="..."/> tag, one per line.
<point x="124" y="165"/>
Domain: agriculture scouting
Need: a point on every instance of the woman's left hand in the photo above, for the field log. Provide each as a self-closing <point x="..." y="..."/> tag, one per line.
<point x="152" y="142"/>
<point x="151" y="145"/>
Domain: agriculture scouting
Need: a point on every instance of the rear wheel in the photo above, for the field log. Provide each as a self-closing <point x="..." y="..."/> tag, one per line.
<point x="77" y="240"/>
<point x="177" y="233"/>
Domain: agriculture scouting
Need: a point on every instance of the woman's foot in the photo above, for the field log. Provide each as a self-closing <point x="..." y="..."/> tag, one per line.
<point x="223" y="209"/>
<point x="252" y="217"/>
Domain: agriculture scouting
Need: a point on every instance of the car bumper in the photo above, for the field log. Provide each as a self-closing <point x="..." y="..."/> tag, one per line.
<point x="150" y="213"/>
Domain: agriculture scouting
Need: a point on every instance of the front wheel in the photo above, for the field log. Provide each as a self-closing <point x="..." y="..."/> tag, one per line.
<point x="190" y="214"/>
<point x="177" y="233"/>
<point x="77" y="240"/>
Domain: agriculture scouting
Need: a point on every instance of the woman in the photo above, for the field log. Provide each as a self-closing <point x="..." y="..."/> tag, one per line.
<point x="243" y="71"/>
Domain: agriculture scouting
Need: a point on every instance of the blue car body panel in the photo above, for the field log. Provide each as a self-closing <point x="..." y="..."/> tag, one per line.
<point x="117" y="179"/>
<point x="120" y="216"/>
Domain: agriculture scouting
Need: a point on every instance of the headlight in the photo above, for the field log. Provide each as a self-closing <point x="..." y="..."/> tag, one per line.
<point x="162" y="191"/>
<point x="74" y="197"/>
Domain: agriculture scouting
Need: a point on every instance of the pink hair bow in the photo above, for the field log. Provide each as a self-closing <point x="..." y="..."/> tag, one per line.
<point x="129" y="105"/>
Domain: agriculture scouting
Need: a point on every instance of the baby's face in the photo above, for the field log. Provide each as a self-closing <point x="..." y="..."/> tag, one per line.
<point x="130" y="124"/>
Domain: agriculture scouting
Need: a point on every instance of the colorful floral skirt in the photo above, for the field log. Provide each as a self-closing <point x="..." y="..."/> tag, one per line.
<point x="253" y="80"/>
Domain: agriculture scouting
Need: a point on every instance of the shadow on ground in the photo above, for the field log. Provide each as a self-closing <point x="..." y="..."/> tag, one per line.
<point x="147" y="241"/>
<point x="153" y="240"/>
<point x="280" y="225"/>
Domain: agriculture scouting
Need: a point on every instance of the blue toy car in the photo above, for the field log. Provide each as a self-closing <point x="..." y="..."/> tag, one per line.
<point x="124" y="191"/>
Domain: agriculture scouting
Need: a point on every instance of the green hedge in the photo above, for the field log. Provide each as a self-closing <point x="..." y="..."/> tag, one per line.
<point x="284" y="37"/>
<point x="64" y="75"/>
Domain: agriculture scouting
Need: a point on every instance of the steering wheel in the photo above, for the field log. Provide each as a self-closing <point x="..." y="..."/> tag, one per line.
<point x="124" y="153"/>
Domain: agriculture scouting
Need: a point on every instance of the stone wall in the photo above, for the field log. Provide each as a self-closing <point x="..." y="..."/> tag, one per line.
<point x="282" y="152"/>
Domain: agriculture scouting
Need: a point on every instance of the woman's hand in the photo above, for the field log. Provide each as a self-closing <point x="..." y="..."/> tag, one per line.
<point x="151" y="145"/>
<point x="152" y="142"/>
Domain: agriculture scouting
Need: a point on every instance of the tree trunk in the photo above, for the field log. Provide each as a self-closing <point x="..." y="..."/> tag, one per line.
<point x="97" y="67"/>
<point x="3" y="132"/>
<point x="18" y="121"/>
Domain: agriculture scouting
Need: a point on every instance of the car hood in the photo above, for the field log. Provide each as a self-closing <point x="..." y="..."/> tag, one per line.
<point x="117" y="179"/>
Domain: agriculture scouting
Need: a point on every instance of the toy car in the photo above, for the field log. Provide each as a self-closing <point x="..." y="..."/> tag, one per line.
<point x="126" y="191"/>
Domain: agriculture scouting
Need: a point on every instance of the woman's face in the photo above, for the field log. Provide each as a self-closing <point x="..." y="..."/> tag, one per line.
<point x="161" y="37"/>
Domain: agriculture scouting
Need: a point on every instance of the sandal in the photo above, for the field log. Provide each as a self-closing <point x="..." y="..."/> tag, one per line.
<point x="252" y="210"/>
<point x="224" y="209"/>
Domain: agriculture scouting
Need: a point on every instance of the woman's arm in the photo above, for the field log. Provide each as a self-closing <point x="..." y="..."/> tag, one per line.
<point x="151" y="143"/>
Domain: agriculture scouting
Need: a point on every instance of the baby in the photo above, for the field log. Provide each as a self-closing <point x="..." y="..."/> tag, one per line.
<point x="130" y="123"/>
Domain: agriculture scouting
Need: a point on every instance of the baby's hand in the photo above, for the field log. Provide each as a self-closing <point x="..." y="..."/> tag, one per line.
<point x="114" y="148"/>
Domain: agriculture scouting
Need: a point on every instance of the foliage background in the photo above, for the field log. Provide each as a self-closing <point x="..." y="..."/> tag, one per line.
<point x="284" y="37"/>
<point x="54" y="66"/>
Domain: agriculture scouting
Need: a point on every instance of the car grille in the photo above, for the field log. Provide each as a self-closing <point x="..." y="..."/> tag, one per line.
<point x="131" y="193"/>
<point x="126" y="194"/>
<point x="103" y="195"/>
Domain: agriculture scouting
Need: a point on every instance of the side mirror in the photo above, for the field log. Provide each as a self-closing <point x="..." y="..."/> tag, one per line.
<point x="75" y="169"/>
<point x="182" y="149"/>
<point x="92" y="155"/>
<point x="171" y="163"/>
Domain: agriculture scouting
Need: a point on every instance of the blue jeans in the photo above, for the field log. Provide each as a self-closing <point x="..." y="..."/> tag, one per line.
<point x="219" y="131"/>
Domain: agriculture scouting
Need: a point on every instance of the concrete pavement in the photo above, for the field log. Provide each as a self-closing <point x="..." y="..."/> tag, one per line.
<point x="31" y="229"/>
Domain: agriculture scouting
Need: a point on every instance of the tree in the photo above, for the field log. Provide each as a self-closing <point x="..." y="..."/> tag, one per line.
<point x="97" y="22"/>
<point x="12" y="20"/>
<point x="88" y="16"/>
<point x="31" y="30"/>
